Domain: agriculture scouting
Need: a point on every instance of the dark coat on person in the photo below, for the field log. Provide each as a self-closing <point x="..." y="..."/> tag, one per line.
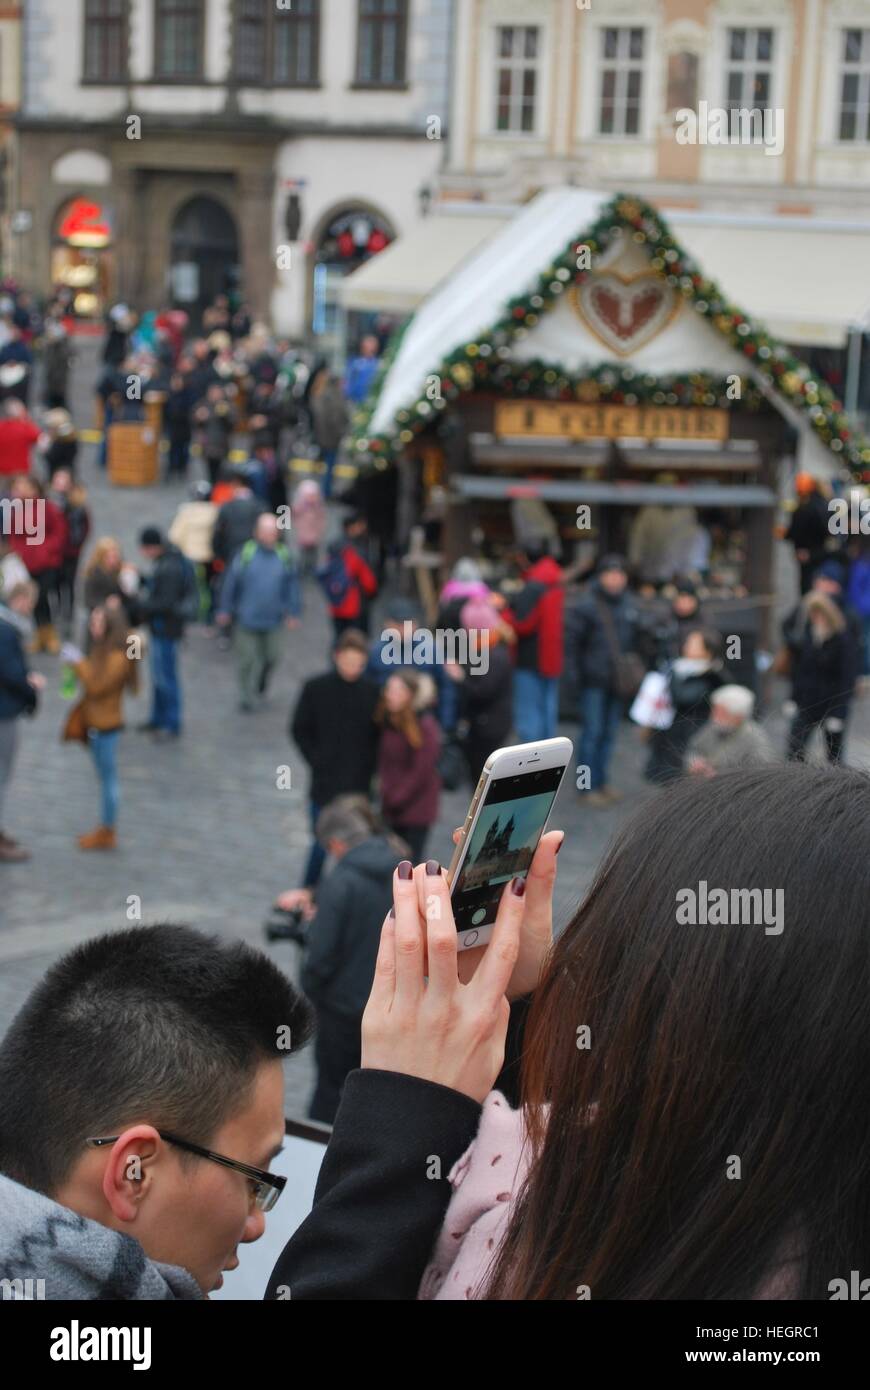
<point x="343" y="939"/>
<point x="823" y="674"/>
<point x="588" y="651"/>
<point x="235" y="525"/>
<point x="159" y="606"/>
<point x="486" y="701"/>
<point x="374" y="1222"/>
<point x="333" y="725"/>
<point x="17" y="695"/>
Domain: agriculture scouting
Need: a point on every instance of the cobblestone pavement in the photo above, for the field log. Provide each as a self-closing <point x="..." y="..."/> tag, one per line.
<point x="206" y="837"/>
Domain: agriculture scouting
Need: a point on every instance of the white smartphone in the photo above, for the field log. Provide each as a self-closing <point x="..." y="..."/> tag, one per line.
<point x="506" y="819"/>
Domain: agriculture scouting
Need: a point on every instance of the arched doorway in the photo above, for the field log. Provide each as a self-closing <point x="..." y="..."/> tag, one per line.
<point x="349" y="238"/>
<point x="204" y="256"/>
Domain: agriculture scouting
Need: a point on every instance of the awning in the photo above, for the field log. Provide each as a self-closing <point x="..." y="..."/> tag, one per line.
<point x="399" y="279"/>
<point x="617" y="494"/>
<point x="805" y="279"/>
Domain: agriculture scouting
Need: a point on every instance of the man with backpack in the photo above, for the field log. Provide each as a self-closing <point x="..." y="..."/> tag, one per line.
<point x="347" y="580"/>
<point x="170" y="600"/>
<point x="260" y="595"/>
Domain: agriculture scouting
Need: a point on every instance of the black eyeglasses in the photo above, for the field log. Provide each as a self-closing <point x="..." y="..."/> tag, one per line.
<point x="266" y="1188"/>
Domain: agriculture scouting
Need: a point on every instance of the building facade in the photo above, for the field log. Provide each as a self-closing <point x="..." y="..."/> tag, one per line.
<point x="575" y="91"/>
<point x="174" y="149"/>
<point x="10" y="98"/>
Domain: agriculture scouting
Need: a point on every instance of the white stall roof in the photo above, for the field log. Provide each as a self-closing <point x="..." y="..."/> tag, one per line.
<point x="399" y="278"/>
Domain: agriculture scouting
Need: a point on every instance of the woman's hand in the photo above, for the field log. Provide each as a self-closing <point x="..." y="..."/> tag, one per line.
<point x="536" y="936"/>
<point x="439" y="1029"/>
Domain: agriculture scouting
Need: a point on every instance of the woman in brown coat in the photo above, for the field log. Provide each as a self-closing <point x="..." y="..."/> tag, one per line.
<point x="105" y="674"/>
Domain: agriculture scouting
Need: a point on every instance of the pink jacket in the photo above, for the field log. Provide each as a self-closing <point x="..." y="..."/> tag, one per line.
<point x="308" y="513"/>
<point x="486" y="1181"/>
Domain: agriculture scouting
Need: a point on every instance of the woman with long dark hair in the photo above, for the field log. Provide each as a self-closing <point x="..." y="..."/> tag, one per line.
<point x="696" y="1065"/>
<point x="408" y="758"/>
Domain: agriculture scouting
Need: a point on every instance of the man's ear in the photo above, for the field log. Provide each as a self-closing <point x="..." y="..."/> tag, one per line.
<point x="129" y="1172"/>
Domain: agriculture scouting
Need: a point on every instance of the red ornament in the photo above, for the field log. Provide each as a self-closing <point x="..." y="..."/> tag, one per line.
<point x="749" y="349"/>
<point x="345" y="244"/>
<point x="519" y="312"/>
<point x="377" y="241"/>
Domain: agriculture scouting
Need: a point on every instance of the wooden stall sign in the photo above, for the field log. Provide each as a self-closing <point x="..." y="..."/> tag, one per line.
<point x="546" y="419"/>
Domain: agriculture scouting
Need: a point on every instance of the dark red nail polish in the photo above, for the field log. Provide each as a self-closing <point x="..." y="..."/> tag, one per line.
<point x="433" y="868"/>
<point x="406" y="868"/>
<point x="392" y="912"/>
<point x="518" y="887"/>
<point x="559" y="845"/>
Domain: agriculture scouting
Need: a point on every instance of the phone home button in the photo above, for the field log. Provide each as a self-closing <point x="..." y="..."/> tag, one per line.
<point x="470" y="938"/>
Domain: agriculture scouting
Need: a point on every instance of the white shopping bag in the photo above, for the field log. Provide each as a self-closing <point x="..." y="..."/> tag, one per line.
<point x="652" y="707"/>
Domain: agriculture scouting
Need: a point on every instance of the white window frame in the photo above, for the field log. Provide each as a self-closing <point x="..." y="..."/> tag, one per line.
<point x="862" y="68"/>
<point x="517" y="65"/>
<point x="623" y="64"/>
<point x="750" y="66"/>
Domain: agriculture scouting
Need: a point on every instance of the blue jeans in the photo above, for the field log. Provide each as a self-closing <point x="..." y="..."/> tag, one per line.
<point x="104" y="747"/>
<point x="601" y="715"/>
<point x="316" y="855"/>
<point x="166" y="701"/>
<point x="866" y="622"/>
<point x="536" y="706"/>
<point x="328" y="457"/>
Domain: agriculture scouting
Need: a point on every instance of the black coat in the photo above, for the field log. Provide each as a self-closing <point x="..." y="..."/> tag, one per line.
<point x="17" y="696"/>
<point x="343" y="939"/>
<point x="823" y="675"/>
<point x="159" y="605"/>
<point x="486" y="698"/>
<point x="377" y="1211"/>
<point x="334" y="727"/>
<point x="235" y="525"/>
<point x="588" y="653"/>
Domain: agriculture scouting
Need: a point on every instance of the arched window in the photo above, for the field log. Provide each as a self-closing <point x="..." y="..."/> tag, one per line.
<point x="105" y="46"/>
<point x="279" y="47"/>
<point x="178" y="39"/>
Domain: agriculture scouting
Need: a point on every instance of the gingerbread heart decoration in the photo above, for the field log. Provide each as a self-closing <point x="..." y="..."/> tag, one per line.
<point x="625" y="312"/>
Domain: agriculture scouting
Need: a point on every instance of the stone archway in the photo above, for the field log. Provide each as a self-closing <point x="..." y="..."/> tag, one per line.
<point x="204" y="255"/>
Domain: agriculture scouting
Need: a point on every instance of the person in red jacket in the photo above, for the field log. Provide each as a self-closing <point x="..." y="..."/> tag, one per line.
<point x="18" y="434"/>
<point x="537" y="617"/>
<point x="40" y="541"/>
<point x="408" y="758"/>
<point x="348" y="580"/>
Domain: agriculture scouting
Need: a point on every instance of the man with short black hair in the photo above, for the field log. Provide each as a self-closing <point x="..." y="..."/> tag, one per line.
<point x="141" y="1102"/>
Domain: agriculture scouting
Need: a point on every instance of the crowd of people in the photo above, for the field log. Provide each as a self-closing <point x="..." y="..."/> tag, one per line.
<point x="515" y="653"/>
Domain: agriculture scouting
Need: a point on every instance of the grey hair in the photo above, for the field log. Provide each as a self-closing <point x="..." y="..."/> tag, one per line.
<point x="736" y="699"/>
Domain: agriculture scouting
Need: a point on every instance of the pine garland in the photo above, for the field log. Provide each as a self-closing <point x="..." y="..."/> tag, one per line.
<point x="484" y="365"/>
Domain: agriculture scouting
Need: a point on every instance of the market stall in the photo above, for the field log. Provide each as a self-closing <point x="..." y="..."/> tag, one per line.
<point x="579" y="378"/>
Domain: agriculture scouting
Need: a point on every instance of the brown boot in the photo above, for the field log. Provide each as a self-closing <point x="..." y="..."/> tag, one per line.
<point x="11" y="852"/>
<point x="34" y="646"/>
<point x="50" y="640"/>
<point x="101" y="838"/>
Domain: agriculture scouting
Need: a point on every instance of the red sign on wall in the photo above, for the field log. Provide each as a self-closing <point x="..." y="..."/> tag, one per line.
<point x="83" y="225"/>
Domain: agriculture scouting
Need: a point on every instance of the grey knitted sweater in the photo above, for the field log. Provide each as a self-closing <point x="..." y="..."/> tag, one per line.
<point x="47" y="1251"/>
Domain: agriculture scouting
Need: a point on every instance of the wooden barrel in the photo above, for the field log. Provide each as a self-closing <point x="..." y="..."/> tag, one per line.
<point x="133" y="458"/>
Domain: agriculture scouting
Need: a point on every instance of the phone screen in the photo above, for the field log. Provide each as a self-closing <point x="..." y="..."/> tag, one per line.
<point x="502" y="843"/>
